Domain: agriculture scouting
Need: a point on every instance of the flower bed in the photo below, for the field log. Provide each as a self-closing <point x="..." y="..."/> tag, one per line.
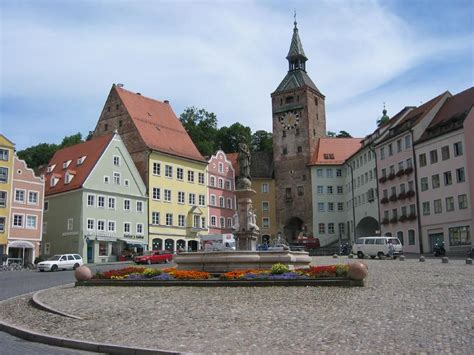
<point x="141" y="273"/>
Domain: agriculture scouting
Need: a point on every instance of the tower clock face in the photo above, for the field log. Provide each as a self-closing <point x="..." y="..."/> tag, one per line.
<point x="289" y="120"/>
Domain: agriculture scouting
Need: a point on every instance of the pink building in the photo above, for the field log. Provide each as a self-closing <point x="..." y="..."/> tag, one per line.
<point x="445" y="157"/>
<point x="397" y="189"/>
<point x="26" y="213"/>
<point x="222" y="204"/>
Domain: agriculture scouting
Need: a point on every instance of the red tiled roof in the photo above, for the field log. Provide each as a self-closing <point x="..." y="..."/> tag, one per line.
<point x="93" y="149"/>
<point x="334" y="151"/>
<point x="454" y="105"/>
<point x="233" y="158"/>
<point x="418" y="113"/>
<point x="158" y="125"/>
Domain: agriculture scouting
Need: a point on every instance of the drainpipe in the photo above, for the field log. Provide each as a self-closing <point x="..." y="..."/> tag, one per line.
<point x="415" y="171"/>
<point x="353" y="205"/>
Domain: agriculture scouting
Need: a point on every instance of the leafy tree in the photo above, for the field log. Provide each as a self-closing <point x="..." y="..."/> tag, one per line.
<point x="201" y="126"/>
<point x="330" y="134"/>
<point x="71" y="140"/>
<point x="262" y="141"/>
<point x="230" y="137"/>
<point x="343" y="134"/>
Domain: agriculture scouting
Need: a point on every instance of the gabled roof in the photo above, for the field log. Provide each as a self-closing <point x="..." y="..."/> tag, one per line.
<point x="92" y="149"/>
<point x="335" y="151"/>
<point x="451" y="115"/>
<point x="296" y="79"/>
<point x="158" y="125"/>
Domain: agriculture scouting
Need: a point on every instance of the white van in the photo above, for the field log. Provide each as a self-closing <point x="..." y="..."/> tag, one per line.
<point x="377" y="246"/>
<point x="218" y="242"/>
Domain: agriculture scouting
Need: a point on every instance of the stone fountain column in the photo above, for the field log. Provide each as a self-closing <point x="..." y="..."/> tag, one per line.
<point x="246" y="229"/>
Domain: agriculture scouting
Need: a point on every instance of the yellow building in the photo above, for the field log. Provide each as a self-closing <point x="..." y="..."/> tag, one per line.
<point x="7" y="149"/>
<point x="177" y="202"/>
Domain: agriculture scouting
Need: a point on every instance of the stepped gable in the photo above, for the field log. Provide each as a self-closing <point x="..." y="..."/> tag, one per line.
<point x="91" y="149"/>
<point x="451" y="115"/>
<point x="335" y="151"/>
<point x="158" y="125"/>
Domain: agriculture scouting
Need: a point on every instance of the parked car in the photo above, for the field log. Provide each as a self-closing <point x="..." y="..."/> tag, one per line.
<point x="377" y="246"/>
<point x="154" y="257"/>
<point x="61" y="262"/>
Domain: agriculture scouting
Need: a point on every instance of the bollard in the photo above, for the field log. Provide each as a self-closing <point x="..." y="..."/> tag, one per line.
<point x="468" y="261"/>
<point x="335" y="256"/>
<point x="402" y="257"/>
<point x="444" y="260"/>
<point x="351" y="256"/>
<point x="422" y="259"/>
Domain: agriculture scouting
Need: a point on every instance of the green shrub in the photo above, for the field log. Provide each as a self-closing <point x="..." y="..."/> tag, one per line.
<point x="151" y="272"/>
<point x="279" y="269"/>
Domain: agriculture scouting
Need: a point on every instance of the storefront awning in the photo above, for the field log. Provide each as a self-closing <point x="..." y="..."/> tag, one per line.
<point x="134" y="242"/>
<point x="21" y="244"/>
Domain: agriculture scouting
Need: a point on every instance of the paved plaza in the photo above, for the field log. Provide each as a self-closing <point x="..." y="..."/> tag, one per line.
<point x="407" y="306"/>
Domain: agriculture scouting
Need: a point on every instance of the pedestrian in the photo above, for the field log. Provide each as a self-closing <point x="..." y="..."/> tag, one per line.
<point x="4" y="259"/>
<point x="391" y="249"/>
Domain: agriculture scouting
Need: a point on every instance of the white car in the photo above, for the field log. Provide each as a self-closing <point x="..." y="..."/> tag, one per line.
<point x="377" y="246"/>
<point x="61" y="261"/>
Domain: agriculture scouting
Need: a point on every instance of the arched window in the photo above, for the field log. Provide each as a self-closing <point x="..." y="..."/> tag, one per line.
<point x="213" y="221"/>
<point x="222" y="222"/>
<point x="213" y="181"/>
<point x="221" y="202"/>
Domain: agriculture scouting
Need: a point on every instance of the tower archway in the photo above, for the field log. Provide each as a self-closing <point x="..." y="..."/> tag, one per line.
<point x="367" y="226"/>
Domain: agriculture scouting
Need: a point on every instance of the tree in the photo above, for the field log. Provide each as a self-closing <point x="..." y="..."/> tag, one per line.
<point x="343" y="134"/>
<point x="262" y="141"/>
<point x="230" y="137"/>
<point x="71" y="140"/>
<point x="330" y="134"/>
<point x="201" y="126"/>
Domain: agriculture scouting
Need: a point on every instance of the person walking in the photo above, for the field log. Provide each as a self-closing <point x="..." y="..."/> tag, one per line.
<point x="391" y="249"/>
<point x="4" y="259"/>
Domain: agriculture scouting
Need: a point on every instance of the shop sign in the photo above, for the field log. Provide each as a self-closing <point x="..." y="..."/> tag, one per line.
<point x="134" y="236"/>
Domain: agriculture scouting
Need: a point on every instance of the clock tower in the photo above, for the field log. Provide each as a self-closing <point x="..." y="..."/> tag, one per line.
<point x="299" y="120"/>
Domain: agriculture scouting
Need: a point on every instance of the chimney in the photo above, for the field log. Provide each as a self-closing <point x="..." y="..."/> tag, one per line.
<point x="120" y="85"/>
<point x="139" y="93"/>
<point x="167" y="102"/>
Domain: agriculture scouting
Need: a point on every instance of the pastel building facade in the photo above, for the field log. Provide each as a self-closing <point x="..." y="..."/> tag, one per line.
<point x="221" y="196"/>
<point x="26" y="218"/>
<point x="95" y="202"/>
<point x="7" y="150"/>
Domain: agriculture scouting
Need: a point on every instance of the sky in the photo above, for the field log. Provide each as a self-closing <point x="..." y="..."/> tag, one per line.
<point x="59" y="58"/>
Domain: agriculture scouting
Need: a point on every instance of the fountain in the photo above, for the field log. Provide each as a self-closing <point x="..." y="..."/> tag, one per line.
<point x="247" y="234"/>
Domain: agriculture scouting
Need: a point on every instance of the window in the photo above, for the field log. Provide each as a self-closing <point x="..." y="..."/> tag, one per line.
<point x="212" y="181"/>
<point x="101" y="201"/>
<point x="462" y="201"/>
<point x="228" y="185"/>
<point x="413" y="210"/>
<point x="70" y="224"/>
<point x="404" y="211"/>
<point x="340" y="190"/>
<point x="319" y="189"/>
<point x="457" y="147"/>
<point x="330" y="206"/>
<point x="156" y="168"/>
<point x="202" y="200"/>
<point x="410" y="186"/>
<point x="319" y="172"/>
<point x="329" y="190"/>
<point x="192" y="198"/>
<point x="180" y="197"/>
<point x="66" y="164"/>
<point x="411" y="237"/>
<point x="3" y="199"/>
<point x="299" y="149"/>
<point x="341" y="228"/>
<point x="20" y="196"/>
<point x="424" y="183"/>
<point x="449" y="204"/>
<point x="459" y="236"/>
<point x="426" y="208"/>
<point x="402" y="188"/>
<point x="126" y="227"/>
<point x="111" y="225"/>
<point x="322" y="228"/>
<point x="181" y="219"/>
<point x="222" y="222"/>
<point x="111" y="203"/>
<point x="106" y="179"/>
<point x="201" y="178"/>
<point x="101" y="225"/>
<point x="460" y="177"/>
<point x="395" y="213"/>
<point x="407" y="142"/>
<point x="4" y="154"/>
<point x="117" y="178"/>
<point x="139" y="206"/>
<point x="229" y="203"/>
<point x="190" y="176"/>
<point x="422" y="159"/>
<point x="399" y="145"/>
<point x="435" y="181"/>
<point x="229" y="223"/>
<point x="91" y="200"/>
<point x="213" y="200"/>
<point x="167" y="194"/>
<point x="3" y="174"/>
<point x="285" y="151"/>
<point x="32" y="197"/>
<point x="340" y="206"/>
<point x="320" y="206"/>
<point x="169" y="219"/>
<point x="437" y="206"/>
<point x="382" y="153"/>
<point x="168" y="171"/>
<point x="288" y="194"/>
<point x="433" y="156"/>
<point x="329" y="173"/>
<point x="126" y="205"/>
<point x="220" y="183"/>
<point x="266" y="222"/>
<point x="90" y="224"/>
<point x="140" y="228"/>
<point x="390" y="150"/>
<point x="265" y="206"/>
<point x="155" y="218"/>
<point x="445" y="152"/>
<point x="156" y="194"/>
<point x="179" y="173"/>
<point x="409" y="163"/>
<point x="116" y="160"/>
<point x="448" y="179"/>
<point x="384" y="172"/>
<point x="221" y="202"/>
<point x="213" y="221"/>
<point x="103" y="245"/>
<point x="300" y="190"/>
<point x="31" y="222"/>
<point x="338" y="172"/>
<point x="265" y="187"/>
<point x="221" y="167"/>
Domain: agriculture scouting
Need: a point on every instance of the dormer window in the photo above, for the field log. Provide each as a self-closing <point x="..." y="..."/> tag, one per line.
<point x="81" y="160"/>
<point x="66" y="164"/>
<point x="54" y="180"/>
<point x="328" y="156"/>
<point x="50" y="168"/>
<point x="68" y="177"/>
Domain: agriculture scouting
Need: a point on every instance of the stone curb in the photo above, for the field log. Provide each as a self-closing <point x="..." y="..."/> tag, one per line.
<point x="33" y="336"/>
<point x="226" y="283"/>
<point x="44" y="307"/>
